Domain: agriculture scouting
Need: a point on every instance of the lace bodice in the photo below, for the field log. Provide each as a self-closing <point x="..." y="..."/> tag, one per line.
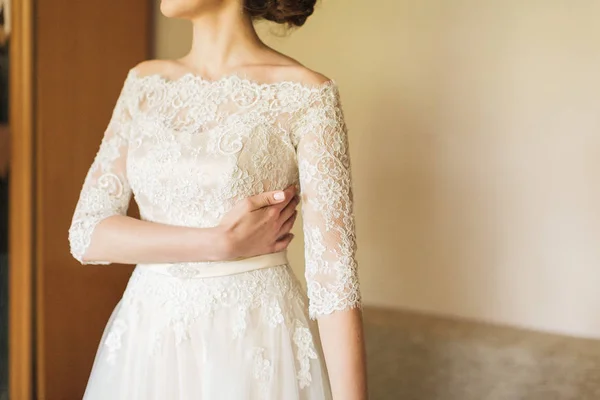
<point x="189" y="149"/>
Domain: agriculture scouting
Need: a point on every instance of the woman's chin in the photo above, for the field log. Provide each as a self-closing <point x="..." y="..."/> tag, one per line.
<point x="173" y="9"/>
<point x="166" y="8"/>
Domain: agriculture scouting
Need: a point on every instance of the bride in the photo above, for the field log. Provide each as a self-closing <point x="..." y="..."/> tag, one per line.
<point x="218" y="148"/>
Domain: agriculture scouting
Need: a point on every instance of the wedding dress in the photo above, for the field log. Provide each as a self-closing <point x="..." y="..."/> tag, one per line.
<point x="188" y="149"/>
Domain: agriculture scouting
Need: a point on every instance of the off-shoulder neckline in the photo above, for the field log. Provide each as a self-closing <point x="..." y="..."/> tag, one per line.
<point x="190" y="77"/>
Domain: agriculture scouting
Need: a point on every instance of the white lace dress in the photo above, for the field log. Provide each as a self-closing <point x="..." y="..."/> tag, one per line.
<point x="188" y="149"/>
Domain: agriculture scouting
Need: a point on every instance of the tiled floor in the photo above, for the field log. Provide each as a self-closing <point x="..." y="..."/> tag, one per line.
<point x="415" y="357"/>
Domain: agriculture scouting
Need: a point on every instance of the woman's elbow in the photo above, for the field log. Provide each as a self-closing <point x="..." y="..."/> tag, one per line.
<point x="77" y="244"/>
<point x="80" y="235"/>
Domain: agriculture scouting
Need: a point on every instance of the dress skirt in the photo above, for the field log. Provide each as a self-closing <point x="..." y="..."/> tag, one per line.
<point x="211" y="331"/>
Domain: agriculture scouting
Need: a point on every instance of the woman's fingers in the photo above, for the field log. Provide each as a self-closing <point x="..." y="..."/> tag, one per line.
<point x="289" y="210"/>
<point x="278" y="197"/>
<point x="254" y="223"/>
<point x="283" y="243"/>
<point x="288" y="225"/>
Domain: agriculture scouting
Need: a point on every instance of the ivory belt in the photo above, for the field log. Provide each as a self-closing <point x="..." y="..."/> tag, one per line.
<point x="217" y="268"/>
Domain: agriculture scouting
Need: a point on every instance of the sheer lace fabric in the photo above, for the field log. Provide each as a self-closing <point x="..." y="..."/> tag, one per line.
<point x="188" y="150"/>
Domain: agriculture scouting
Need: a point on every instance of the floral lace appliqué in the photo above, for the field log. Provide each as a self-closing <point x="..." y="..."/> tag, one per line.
<point x="263" y="371"/>
<point x="113" y="340"/>
<point x="190" y="149"/>
<point x="183" y="301"/>
<point x="305" y="351"/>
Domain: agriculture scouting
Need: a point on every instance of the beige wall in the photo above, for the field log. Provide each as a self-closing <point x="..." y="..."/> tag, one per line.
<point x="475" y="134"/>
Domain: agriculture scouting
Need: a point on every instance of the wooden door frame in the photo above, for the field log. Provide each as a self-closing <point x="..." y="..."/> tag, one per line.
<point x="21" y="214"/>
<point x="27" y="372"/>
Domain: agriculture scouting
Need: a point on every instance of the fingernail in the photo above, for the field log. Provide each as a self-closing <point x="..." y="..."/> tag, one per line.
<point x="279" y="196"/>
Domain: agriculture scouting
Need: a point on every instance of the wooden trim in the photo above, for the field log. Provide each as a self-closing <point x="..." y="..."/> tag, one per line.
<point x="21" y="205"/>
<point x="151" y="49"/>
<point x="38" y="270"/>
<point x="75" y="88"/>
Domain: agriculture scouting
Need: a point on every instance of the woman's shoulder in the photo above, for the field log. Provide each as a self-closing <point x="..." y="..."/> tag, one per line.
<point x="298" y="73"/>
<point x="157" y="67"/>
<point x="282" y="70"/>
<point x="312" y="87"/>
<point x="307" y="85"/>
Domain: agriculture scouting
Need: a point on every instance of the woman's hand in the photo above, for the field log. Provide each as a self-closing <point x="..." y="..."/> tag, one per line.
<point x="260" y="224"/>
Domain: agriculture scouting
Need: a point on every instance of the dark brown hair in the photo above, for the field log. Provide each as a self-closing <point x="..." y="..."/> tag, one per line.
<point x="290" y="12"/>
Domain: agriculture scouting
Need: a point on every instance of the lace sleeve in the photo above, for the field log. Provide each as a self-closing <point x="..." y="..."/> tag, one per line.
<point x="106" y="191"/>
<point x="325" y="181"/>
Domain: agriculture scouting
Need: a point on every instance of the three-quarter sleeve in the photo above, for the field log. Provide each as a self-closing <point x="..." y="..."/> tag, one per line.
<point x="106" y="191"/>
<point x="321" y="142"/>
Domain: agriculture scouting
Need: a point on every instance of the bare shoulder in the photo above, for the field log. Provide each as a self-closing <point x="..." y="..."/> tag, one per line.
<point x="301" y="74"/>
<point x="278" y="67"/>
<point x="165" y="68"/>
<point x="298" y="73"/>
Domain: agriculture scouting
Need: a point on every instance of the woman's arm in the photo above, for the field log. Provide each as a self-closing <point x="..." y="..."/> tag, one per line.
<point x="257" y="225"/>
<point x="106" y="192"/>
<point x="331" y="269"/>
<point x="343" y="343"/>
<point x="101" y="233"/>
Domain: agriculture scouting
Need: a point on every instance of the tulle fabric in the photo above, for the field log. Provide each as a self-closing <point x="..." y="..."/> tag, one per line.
<point x="244" y="336"/>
